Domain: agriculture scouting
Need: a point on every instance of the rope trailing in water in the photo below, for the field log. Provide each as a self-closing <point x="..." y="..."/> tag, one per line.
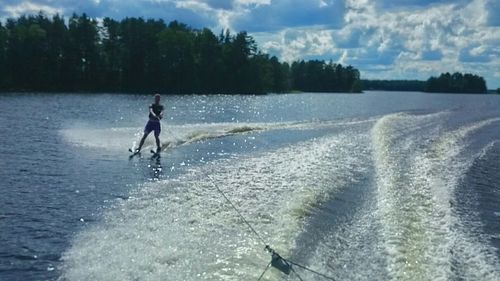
<point x="298" y="276"/>
<point x="237" y="211"/>
<point x="310" y="270"/>
<point x="265" y="270"/>
<point x="277" y="261"/>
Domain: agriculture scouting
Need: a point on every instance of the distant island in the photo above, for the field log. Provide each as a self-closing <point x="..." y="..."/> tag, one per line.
<point x="394" y="85"/>
<point x="445" y="83"/>
<point x="456" y="83"/>
<point x="81" y="54"/>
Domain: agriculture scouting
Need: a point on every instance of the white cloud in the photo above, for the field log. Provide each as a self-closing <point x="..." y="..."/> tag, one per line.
<point x="412" y="42"/>
<point x="27" y="7"/>
<point x="297" y="43"/>
<point x="252" y="2"/>
<point x="282" y="14"/>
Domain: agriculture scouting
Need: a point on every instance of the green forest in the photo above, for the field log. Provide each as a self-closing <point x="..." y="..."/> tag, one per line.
<point x="54" y="54"/>
<point x="394" y="85"/>
<point x="445" y="83"/>
<point x="456" y="83"/>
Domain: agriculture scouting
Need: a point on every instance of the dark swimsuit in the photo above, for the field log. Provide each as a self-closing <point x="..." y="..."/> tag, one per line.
<point x="154" y="123"/>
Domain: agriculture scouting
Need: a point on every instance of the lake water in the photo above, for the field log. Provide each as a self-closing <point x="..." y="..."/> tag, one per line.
<point x="378" y="186"/>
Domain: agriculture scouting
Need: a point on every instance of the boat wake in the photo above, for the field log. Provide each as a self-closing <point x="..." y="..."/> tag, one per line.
<point x="182" y="228"/>
<point x="419" y="165"/>
<point x="408" y="227"/>
<point x="176" y="135"/>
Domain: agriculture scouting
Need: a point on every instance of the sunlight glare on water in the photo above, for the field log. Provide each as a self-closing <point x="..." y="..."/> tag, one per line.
<point x="351" y="186"/>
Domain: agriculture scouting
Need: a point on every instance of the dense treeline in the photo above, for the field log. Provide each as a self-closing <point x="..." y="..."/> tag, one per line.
<point x="456" y="83"/>
<point x="319" y="76"/>
<point x="445" y="83"/>
<point x="38" y="53"/>
<point x="394" y="85"/>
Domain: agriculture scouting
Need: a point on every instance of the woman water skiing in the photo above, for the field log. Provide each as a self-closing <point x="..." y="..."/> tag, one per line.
<point x="155" y="115"/>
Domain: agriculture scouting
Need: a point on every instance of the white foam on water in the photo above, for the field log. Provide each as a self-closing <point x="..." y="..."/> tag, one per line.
<point x="182" y="229"/>
<point x="111" y="138"/>
<point x="171" y="135"/>
<point x="418" y="166"/>
<point x="352" y="251"/>
<point x="174" y="135"/>
<point x="487" y="148"/>
<point x="355" y="250"/>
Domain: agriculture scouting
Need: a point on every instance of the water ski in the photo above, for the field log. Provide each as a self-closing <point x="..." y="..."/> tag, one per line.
<point x="155" y="153"/>
<point x="134" y="153"/>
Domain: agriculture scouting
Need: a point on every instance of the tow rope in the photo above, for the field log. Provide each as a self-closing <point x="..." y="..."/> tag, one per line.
<point x="277" y="261"/>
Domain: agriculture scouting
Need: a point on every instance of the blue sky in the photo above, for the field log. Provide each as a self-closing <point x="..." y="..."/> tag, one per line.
<point x="385" y="39"/>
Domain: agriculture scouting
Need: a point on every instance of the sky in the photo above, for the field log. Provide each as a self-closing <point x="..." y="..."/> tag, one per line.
<point x="384" y="39"/>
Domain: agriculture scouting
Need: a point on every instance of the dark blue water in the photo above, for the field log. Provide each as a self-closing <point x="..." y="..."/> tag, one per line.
<point x="399" y="186"/>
